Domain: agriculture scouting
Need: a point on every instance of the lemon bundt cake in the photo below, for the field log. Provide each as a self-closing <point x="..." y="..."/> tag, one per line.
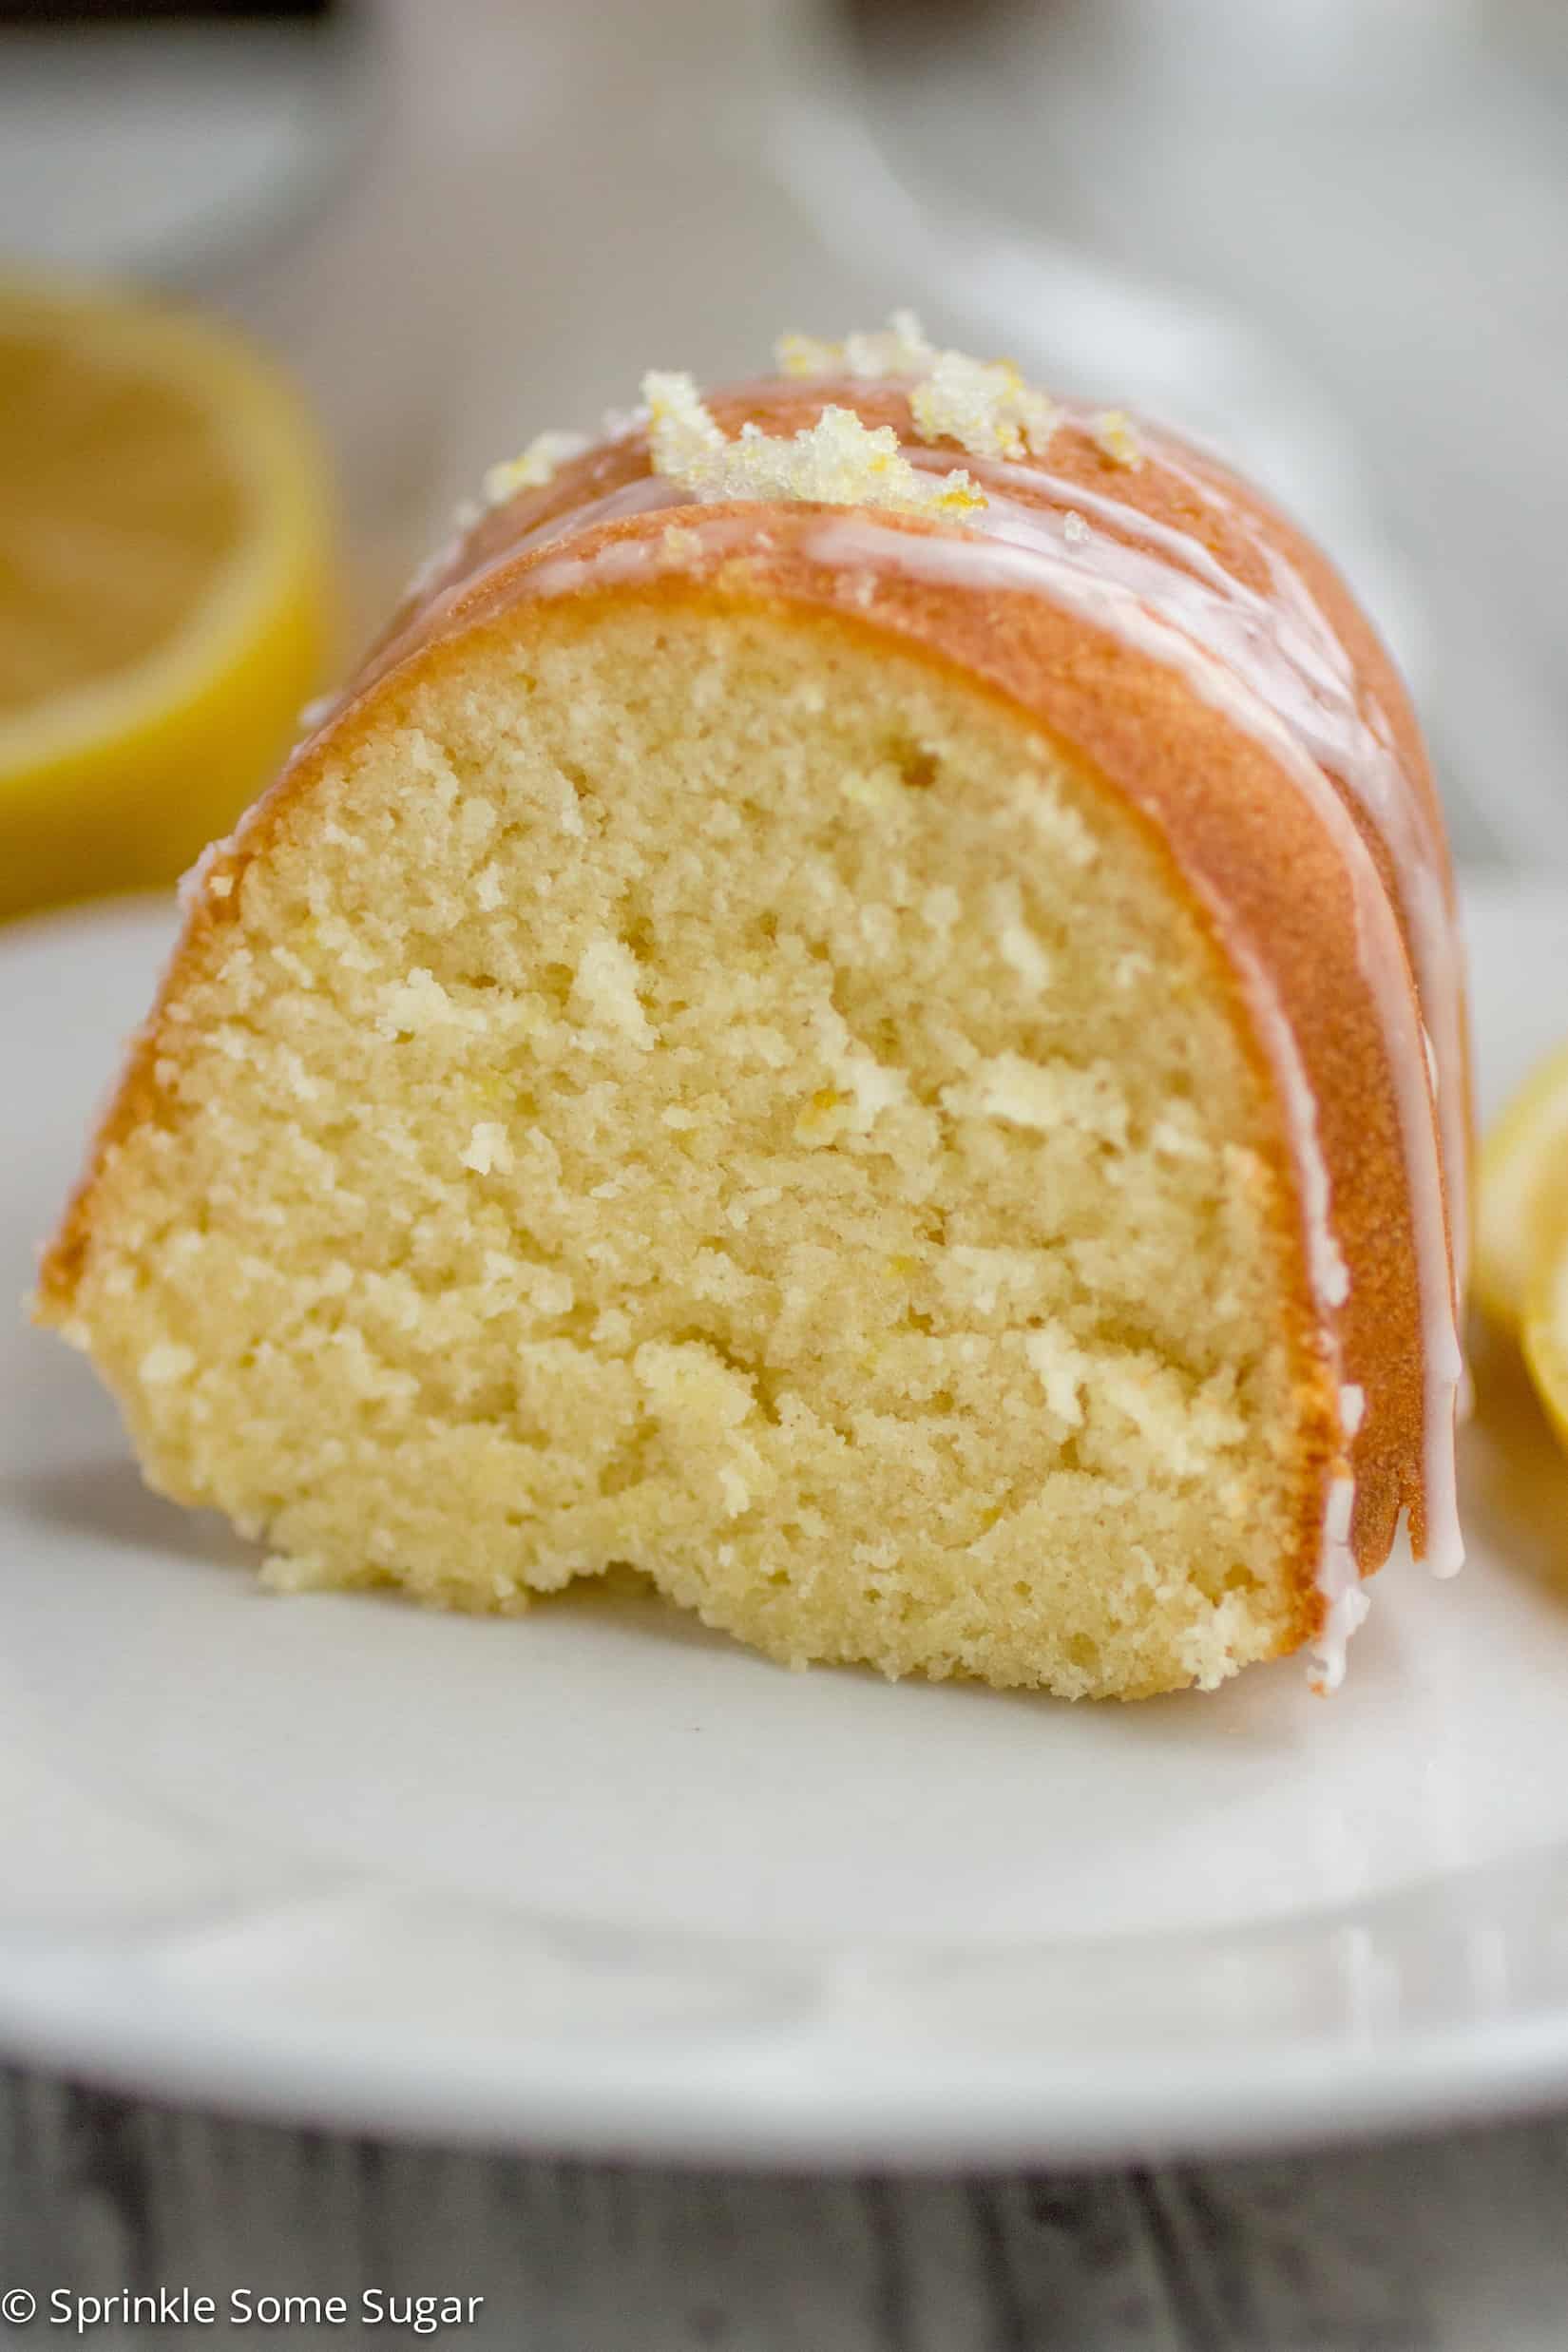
<point x="857" y="1010"/>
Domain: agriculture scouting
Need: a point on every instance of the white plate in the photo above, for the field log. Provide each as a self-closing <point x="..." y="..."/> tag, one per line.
<point x="599" y="1879"/>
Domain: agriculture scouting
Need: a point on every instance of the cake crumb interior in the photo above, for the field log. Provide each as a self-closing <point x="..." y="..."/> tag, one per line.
<point x="700" y="1089"/>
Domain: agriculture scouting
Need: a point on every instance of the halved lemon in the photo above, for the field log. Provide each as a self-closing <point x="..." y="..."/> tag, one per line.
<point x="165" y="593"/>
<point x="1544" y="1329"/>
<point x="1523" y="1190"/>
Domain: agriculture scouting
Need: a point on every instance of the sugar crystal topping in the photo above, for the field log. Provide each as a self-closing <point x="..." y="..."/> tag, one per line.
<point x="536" y="466"/>
<point x="898" y="349"/>
<point x="984" y="405"/>
<point x="836" y="462"/>
<point x="1115" y="436"/>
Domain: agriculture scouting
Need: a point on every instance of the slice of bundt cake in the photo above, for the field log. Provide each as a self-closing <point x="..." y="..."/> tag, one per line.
<point x="857" y="1010"/>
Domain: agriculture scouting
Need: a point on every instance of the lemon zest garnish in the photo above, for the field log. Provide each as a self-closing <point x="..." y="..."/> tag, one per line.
<point x="837" y="462"/>
<point x="536" y="466"/>
<point x="899" y="349"/>
<point x="984" y="405"/>
<point x="1115" y="435"/>
<point x="807" y="355"/>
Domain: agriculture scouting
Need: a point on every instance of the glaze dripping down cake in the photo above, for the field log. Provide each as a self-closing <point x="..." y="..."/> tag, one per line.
<point x="858" y="1010"/>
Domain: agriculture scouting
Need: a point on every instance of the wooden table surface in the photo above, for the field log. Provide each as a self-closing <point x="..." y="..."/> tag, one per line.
<point x="1455" y="2245"/>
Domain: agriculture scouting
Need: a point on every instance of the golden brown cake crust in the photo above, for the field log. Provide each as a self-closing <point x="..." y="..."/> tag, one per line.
<point x="1249" y="850"/>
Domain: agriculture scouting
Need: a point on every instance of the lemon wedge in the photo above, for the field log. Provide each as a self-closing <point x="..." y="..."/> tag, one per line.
<point x="1523" y="1190"/>
<point x="164" y="585"/>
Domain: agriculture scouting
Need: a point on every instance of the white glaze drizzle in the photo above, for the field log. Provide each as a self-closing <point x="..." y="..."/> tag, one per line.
<point x="643" y="495"/>
<point x="1339" y="1581"/>
<point x="1345" y="1604"/>
<point x="315" y="713"/>
<point x="1358" y="747"/>
<point x="1327" y="1270"/>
